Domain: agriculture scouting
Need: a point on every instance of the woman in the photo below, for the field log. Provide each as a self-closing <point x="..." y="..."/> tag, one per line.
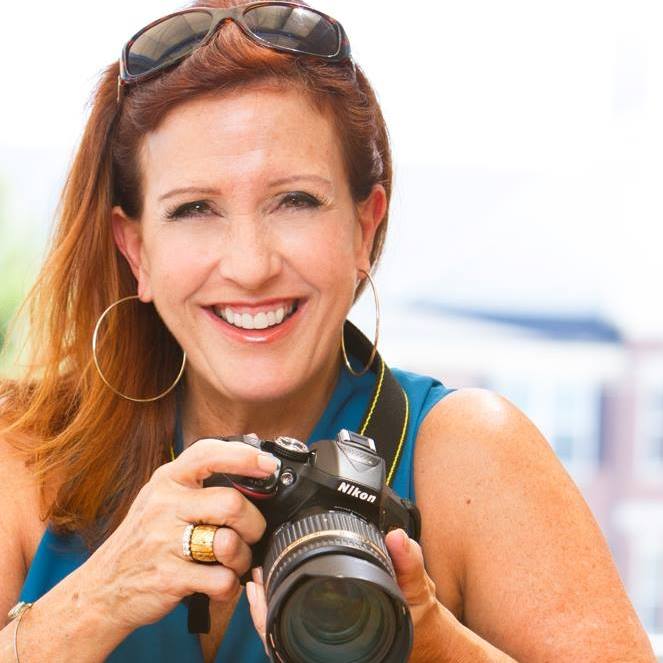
<point x="242" y="193"/>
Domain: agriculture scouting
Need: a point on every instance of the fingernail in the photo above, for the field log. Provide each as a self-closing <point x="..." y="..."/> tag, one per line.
<point x="405" y="541"/>
<point x="250" y="591"/>
<point x="267" y="462"/>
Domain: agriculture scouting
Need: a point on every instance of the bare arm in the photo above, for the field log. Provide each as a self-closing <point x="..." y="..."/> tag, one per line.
<point x="502" y="518"/>
<point x="64" y="620"/>
<point x="66" y="623"/>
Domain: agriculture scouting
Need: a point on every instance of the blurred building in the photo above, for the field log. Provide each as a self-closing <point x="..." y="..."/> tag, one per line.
<point x="595" y="395"/>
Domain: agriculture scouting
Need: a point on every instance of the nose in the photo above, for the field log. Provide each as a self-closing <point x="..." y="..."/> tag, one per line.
<point x="250" y="257"/>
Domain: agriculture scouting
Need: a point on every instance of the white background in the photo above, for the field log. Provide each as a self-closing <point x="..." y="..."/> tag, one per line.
<point x="528" y="140"/>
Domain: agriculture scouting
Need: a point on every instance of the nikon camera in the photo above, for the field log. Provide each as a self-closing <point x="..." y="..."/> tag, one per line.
<point x="331" y="590"/>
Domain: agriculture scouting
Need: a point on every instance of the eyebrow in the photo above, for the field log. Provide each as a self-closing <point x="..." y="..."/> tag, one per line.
<point x="295" y="178"/>
<point x="210" y="191"/>
<point x="190" y="189"/>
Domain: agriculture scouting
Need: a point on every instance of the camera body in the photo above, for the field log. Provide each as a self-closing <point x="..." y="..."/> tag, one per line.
<point x="344" y="474"/>
<point x="329" y="581"/>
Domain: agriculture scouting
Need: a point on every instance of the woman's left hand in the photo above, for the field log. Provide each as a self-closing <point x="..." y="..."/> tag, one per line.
<point x="438" y="635"/>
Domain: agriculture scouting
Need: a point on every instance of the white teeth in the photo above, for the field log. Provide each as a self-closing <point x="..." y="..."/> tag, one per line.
<point x="261" y="320"/>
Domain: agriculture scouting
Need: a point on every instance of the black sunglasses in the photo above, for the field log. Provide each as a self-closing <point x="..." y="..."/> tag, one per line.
<point x="283" y="26"/>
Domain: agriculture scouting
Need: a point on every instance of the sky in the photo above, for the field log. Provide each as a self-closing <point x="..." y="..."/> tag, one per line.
<point x="527" y="138"/>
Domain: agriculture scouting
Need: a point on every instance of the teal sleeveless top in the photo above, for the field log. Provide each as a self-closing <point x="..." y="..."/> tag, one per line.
<point x="168" y="640"/>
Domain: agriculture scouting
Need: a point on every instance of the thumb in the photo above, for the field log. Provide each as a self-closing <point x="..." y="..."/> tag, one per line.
<point x="408" y="560"/>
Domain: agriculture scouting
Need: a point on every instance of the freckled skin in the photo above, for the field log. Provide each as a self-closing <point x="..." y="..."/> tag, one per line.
<point x="248" y="246"/>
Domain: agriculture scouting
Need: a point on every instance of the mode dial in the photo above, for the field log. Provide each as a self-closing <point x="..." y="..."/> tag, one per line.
<point x="289" y="447"/>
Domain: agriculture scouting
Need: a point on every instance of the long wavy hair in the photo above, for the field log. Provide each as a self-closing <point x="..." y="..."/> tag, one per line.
<point x="93" y="449"/>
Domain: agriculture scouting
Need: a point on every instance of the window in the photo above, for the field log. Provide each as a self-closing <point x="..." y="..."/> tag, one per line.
<point x="653" y="428"/>
<point x="576" y="424"/>
<point x="649" y="431"/>
<point x="648" y="590"/>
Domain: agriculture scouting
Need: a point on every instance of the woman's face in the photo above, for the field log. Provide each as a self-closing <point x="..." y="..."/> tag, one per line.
<point x="250" y="243"/>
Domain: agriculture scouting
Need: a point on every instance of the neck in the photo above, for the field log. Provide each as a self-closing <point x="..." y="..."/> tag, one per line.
<point x="207" y="413"/>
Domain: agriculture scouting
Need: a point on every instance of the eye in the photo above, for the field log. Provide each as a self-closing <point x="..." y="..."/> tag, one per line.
<point x="300" y="199"/>
<point x="196" y="208"/>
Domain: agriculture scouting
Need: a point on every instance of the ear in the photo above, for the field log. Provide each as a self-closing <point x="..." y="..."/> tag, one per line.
<point x="129" y="240"/>
<point x="370" y="213"/>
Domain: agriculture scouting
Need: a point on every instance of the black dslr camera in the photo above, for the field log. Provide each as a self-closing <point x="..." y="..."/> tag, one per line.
<point x="330" y="585"/>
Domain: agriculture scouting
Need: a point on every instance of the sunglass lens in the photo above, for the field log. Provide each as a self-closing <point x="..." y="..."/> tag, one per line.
<point x="167" y="41"/>
<point x="294" y="28"/>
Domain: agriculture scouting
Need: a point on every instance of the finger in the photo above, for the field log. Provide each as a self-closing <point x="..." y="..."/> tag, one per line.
<point x="218" y="582"/>
<point x="208" y="455"/>
<point x="256" y="574"/>
<point x="222" y="506"/>
<point x="261" y="603"/>
<point x="408" y="560"/>
<point x="231" y="551"/>
<point x="255" y="593"/>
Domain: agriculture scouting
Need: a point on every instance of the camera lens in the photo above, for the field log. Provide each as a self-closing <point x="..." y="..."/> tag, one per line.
<point x="332" y="609"/>
<point x="332" y="594"/>
<point x="337" y="619"/>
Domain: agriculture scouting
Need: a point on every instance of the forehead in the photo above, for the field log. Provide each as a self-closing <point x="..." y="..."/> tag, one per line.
<point x="252" y="133"/>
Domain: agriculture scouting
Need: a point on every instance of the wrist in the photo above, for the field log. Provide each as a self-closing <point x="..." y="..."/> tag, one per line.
<point x="468" y="647"/>
<point x="93" y="606"/>
<point x="440" y="637"/>
<point x="434" y="634"/>
<point x="68" y="618"/>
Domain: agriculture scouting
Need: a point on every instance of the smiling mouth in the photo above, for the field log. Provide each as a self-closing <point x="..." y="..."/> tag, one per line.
<point x="265" y="319"/>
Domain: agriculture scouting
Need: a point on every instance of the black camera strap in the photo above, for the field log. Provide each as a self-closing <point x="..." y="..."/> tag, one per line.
<point x="386" y="418"/>
<point x="385" y="421"/>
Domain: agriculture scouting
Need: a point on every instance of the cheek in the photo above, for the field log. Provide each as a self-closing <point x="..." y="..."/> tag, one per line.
<point x="178" y="264"/>
<point x="326" y="252"/>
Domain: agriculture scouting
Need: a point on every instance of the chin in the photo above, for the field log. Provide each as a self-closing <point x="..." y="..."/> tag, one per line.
<point x="257" y="382"/>
<point x="263" y="390"/>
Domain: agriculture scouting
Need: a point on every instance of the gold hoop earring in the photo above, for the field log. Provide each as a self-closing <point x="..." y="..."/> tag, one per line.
<point x="103" y="377"/>
<point x="377" y="333"/>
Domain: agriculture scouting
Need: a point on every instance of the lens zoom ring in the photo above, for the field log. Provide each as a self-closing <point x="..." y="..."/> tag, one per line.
<point x="299" y="540"/>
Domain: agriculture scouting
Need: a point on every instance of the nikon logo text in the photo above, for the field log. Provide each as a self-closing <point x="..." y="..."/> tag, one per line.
<point x="354" y="491"/>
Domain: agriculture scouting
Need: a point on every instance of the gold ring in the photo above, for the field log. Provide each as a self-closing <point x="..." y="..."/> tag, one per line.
<point x="202" y="543"/>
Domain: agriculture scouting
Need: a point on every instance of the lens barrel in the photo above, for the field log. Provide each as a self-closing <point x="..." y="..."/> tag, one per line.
<point x="332" y="593"/>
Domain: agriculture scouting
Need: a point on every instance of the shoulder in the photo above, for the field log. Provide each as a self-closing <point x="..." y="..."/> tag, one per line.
<point x="14" y="464"/>
<point x="488" y="452"/>
<point x="508" y="523"/>
<point x="475" y="450"/>
<point x="479" y="420"/>
<point x="19" y="507"/>
<point x="20" y="495"/>
<point x="477" y="455"/>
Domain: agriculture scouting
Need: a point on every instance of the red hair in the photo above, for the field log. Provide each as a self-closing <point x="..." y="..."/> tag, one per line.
<point x="97" y="448"/>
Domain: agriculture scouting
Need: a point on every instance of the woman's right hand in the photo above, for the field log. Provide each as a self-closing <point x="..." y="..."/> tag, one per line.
<point x="140" y="573"/>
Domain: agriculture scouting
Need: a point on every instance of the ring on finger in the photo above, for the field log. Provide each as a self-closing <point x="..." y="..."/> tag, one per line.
<point x="198" y="543"/>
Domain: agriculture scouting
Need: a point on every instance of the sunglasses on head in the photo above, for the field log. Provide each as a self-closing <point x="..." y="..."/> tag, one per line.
<point x="283" y="26"/>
